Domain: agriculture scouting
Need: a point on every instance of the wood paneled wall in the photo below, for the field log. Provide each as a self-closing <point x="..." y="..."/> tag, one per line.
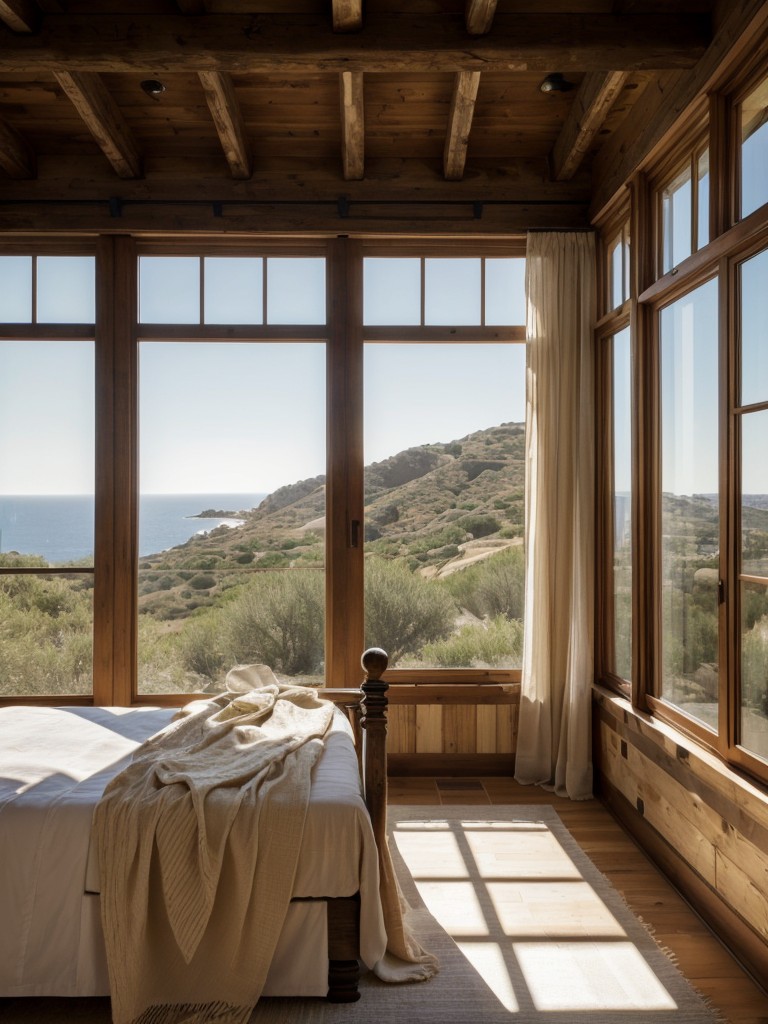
<point x="706" y="826"/>
<point x="452" y="730"/>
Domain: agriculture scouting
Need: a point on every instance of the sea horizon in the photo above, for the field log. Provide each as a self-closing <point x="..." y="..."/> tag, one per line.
<point x="59" y="527"/>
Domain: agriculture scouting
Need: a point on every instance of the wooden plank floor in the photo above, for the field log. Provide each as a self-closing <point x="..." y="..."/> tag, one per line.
<point x="700" y="956"/>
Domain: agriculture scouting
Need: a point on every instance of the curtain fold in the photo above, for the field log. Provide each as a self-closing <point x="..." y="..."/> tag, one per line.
<point x="554" y="730"/>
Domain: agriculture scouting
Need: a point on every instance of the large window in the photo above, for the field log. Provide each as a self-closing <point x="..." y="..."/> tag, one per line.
<point x="232" y="461"/>
<point x="697" y="387"/>
<point x="186" y="484"/>
<point x="444" y="458"/>
<point x="752" y="419"/>
<point x="689" y="510"/>
<point x="47" y="440"/>
<point x="619" y="639"/>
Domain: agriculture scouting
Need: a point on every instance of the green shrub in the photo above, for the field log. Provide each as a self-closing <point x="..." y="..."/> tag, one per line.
<point x="202" y="582"/>
<point x="480" y="525"/>
<point x="479" y="645"/>
<point x="200" y="645"/>
<point x="402" y="610"/>
<point x="278" y="619"/>
<point x="494" y="586"/>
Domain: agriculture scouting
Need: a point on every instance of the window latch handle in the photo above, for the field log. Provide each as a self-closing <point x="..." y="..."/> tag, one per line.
<point x="720" y="591"/>
<point x="354" y="533"/>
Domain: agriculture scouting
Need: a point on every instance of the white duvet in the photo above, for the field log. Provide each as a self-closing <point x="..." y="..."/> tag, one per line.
<point x="54" y="764"/>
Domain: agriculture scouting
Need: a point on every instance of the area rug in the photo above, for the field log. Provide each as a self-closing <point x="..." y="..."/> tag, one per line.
<point x="526" y="928"/>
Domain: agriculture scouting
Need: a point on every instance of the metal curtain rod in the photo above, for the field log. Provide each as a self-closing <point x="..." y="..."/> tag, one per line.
<point x="343" y="204"/>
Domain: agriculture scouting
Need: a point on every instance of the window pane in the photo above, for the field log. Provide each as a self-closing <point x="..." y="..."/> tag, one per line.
<point x="47" y="644"/>
<point x="228" y="575"/>
<point x="234" y="290"/>
<point x="504" y="291"/>
<point x="754" y="494"/>
<point x="702" y="212"/>
<point x="689" y="506"/>
<point x="754" y="668"/>
<point x="616" y="261"/>
<point x="444" y="497"/>
<point x="754" y="329"/>
<point x="676" y="207"/>
<point x="47" y="450"/>
<point x="622" y="505"/>
<point x="754" y="149"/>
<point x="296" y="290"/>
<point x="391" y="291"/>
<point x="169" y="289"/>
<point x="66" y="290"/>
<point x="452" y="291"/>
<point x="16" y="289"/>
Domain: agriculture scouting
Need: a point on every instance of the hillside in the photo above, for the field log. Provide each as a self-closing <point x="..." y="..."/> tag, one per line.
<point x="429" y="504"/>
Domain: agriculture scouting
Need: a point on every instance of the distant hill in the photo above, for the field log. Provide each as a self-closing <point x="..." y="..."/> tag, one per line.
<point x="421" y="504"/>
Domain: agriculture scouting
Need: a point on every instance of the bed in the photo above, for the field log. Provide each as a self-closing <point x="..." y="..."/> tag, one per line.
<point x="54" y="766"/>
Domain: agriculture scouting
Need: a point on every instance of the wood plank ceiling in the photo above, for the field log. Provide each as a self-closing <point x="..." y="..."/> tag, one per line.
<point x="306" y="102"/>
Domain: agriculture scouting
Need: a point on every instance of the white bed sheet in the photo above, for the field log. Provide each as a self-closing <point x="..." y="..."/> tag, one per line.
<point x="54" y="765"/>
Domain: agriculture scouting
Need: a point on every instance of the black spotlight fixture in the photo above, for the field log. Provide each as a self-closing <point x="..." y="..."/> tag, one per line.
<point x="152" y="87"/>
<point x="556" y="83"/>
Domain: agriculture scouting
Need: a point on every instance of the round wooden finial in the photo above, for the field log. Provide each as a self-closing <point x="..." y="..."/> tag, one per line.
<point x="375" y="662"/>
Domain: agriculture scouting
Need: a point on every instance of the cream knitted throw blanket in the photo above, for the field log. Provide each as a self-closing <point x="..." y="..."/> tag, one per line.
<point x="198" y="841"/>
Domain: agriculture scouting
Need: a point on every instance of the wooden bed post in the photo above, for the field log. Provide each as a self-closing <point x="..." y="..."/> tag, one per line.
<point x="374" y="722"/>
<point x="344" y="914"/>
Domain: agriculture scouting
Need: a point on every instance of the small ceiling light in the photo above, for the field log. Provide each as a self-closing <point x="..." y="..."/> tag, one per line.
<point x="152" y="87"/>
<point x="555" y="83"/>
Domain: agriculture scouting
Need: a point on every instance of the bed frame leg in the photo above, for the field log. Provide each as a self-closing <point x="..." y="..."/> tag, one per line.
<point x="343" y="978"/>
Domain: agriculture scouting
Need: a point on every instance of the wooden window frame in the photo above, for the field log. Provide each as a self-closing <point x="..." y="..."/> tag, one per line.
<point x="32" y="332"/>
<point x="736" y="97"/>
<point x="731" y="241"/>
<point x="444" y="334"/>
<point x="118" y="333"/>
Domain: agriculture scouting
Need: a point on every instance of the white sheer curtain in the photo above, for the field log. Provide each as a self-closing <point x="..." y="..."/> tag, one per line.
<point x="554" y="734"/>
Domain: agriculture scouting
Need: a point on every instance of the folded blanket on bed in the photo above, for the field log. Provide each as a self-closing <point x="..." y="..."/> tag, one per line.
<point x="198" y="841"/>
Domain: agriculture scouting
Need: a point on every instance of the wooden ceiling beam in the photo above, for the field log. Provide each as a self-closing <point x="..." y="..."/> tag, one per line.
<point x="591" y="105"/>
<point x="460" y="124"/>
<point x="20" y="15"/>
<point x="191" y="6"/>
<point x="104" y="120"/>
<point x="478" y="16"/>
<point x="352" y="125"/>
<point x="347" y="15"/>
<point x="225" y="111"/>
<point x="281" y="44"/>
<point x="16" y="157"/>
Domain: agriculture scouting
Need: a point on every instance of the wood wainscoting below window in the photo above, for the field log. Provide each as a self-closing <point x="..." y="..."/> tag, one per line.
<point x="704" y="824"/>
<point x="452" y="729"/>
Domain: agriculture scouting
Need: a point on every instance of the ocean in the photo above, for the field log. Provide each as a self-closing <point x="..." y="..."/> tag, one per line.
<point x="60" y="527"/>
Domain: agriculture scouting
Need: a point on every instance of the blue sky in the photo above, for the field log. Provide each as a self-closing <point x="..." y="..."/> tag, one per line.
<point x="247" y="418"/>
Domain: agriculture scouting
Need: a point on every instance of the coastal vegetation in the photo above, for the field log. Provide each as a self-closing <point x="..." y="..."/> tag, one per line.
<point x="444" y="585"/>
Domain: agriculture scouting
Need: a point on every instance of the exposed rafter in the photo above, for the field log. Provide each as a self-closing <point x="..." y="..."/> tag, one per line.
<point x="459" y="124"/>
<point x="104" y="120"/>
<point x="225" y="111"/>
<point x="191" y="6"/>
<point x="591" y="104"/>
<point x="352" y="125"/>
<point x="16" y="157"/>
<point x="279" y="44"/>
<point x="347" y="15"/>
<point x="478" y="16"/>
<point x="20" y="15"/>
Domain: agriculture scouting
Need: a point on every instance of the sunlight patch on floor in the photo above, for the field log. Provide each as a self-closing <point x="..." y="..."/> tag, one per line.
<point x="532" y="927"/>
<point x="590" y="976"/>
